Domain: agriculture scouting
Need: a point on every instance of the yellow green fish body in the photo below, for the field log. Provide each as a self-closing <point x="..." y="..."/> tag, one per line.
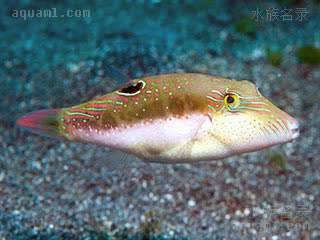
<point x="173" y="118"/>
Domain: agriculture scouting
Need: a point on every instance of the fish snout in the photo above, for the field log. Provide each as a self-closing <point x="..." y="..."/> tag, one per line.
<point x="293" y="126"/>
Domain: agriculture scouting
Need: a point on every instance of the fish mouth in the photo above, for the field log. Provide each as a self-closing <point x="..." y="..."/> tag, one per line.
<point x="294" y="129"/>
<point x="295" y="133"/>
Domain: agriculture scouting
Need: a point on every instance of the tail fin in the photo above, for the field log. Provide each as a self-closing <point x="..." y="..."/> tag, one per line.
<point x="43" y="122"/>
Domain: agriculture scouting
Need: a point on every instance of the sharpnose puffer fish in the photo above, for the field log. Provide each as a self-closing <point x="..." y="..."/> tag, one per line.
<point x="175" y="118"/>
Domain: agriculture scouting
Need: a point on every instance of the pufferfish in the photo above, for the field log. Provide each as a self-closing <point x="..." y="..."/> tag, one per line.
<point x="174" y="118"/>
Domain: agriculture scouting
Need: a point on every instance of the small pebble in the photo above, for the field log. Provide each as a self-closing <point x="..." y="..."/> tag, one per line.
<point x="191" y="203"/>
<point x="2" y="176"/>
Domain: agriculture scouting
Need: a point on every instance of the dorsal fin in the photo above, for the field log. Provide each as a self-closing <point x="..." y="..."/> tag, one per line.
<point x="115" y="74"/>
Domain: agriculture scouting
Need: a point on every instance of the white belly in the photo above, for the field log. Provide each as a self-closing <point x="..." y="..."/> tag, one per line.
<point x="186" y="139"/>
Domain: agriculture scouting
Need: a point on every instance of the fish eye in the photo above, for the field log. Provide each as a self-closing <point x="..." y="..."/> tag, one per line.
<point x="132" y="88"/>
<point x="231" y="101"/>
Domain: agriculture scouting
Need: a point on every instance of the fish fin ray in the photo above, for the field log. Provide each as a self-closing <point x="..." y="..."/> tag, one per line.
<point x="187" y="147"/>
<point x="43" y="122"/>
<point x="115" y="74"/>
<point x="114" y="162"/>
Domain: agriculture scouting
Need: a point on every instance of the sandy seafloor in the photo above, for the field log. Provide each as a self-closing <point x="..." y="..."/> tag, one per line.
<point x="62" y="190"/>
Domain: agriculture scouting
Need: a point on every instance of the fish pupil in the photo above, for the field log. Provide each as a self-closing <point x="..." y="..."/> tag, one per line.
<point x="132" y="88"/>
<point x="230" y="99"/>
